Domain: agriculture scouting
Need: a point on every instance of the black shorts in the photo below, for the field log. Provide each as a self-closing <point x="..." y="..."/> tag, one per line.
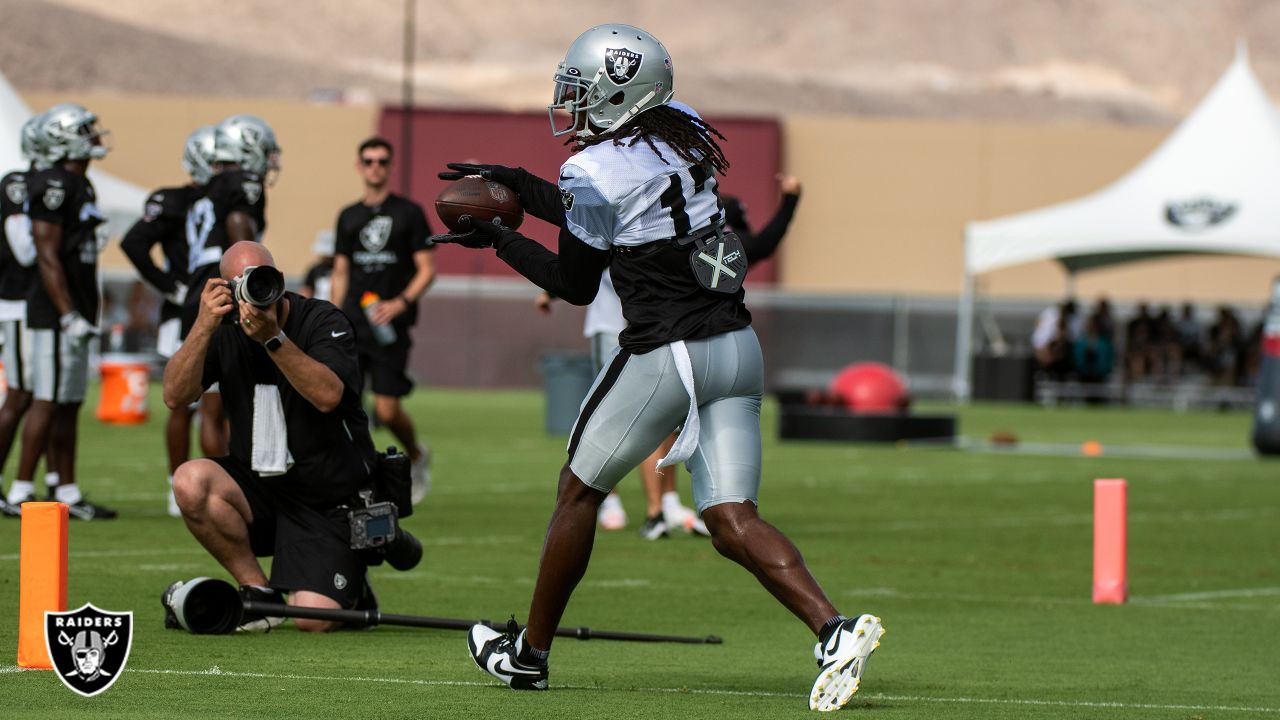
<point x="311" y="549"/>
<point x="385" y="364"/>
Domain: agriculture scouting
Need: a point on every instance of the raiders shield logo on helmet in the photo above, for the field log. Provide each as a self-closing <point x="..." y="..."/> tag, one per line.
<point x="89" y="647"/>
<point x="17" y="192"/>
<point x="53" y="197"/>
<point x="622" y="64"/>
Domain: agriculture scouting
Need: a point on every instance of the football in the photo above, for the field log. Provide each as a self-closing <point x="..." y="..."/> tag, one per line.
<point x="482" y="201"/>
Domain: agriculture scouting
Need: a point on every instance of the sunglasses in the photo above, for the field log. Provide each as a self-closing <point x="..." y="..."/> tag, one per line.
<point x="384" y="162"/>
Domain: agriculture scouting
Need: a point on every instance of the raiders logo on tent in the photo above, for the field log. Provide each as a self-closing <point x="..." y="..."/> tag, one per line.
<point x="719" y="263"/>
<point x="53" y="197"/>
<point x="89" y="647"/>
<point x="17" y="192"/>
<point x="622" y="64"/>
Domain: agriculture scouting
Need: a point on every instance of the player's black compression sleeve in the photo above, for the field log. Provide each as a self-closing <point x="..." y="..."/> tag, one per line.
<point x="572" y="275"/>
<point x="137" y="244"/>
<point x="541" y="198"/>
<point x="761" y="245"/>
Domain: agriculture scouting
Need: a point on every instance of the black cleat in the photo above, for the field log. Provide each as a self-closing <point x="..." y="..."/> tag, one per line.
<point x="254" y="622"/>
<point x="85" y="510"/>
<point x="499" y="655"/>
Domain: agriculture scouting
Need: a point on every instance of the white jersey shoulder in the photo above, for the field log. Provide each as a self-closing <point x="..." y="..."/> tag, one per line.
<point x="630" y="195"/>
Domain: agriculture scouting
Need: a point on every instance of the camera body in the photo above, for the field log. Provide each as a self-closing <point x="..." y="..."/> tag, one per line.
<point x="375" y="524"/>
<point x="260" y="285"/>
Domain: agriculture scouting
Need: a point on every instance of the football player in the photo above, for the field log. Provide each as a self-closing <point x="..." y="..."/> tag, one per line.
<point x="639" y="198"/>
<point x="231" y="208"/>
<point x="17" y="258"/>
<point x="63" y="302"/>
<point x="164" y="223"/>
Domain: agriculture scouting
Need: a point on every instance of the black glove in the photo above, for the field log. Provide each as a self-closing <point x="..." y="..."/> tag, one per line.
<point x="481" y="235"/>
<point x="497" y="173"/>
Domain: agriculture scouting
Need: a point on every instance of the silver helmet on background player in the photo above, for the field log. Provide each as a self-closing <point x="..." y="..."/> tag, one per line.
<point x="198" y="154"/>
<point x="610" y="74"/>
<point x="68" y="131"/>
<point x="248" y="141"/>
<point x="32" y="143"/>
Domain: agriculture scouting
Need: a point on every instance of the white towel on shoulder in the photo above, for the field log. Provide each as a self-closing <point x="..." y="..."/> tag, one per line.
<point x="270" y="453"/>
<point x="687" y="440"/>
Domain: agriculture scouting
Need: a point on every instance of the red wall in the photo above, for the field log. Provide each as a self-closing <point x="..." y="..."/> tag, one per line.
<point x="524" y="139"/>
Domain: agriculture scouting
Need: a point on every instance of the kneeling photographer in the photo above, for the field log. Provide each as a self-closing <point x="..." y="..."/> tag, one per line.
<point x="302" y="467"/>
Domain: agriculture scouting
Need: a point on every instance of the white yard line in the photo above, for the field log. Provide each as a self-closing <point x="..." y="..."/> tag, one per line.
<point x="218" y="672"/>
<point x="1209" y="595"/>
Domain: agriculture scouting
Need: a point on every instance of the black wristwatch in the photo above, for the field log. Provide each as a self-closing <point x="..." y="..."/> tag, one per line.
<point x="273" y="343"/>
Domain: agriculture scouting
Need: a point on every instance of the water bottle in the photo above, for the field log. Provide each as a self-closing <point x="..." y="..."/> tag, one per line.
<point x="382" y="334"/>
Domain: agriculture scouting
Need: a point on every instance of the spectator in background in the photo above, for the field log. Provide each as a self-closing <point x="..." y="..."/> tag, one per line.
<point x="318" y="282"/>
<point x="1093" y="353"/>
<point x="1190" y="338"/>
<point x="1224" y="347"/>
<point x="1052" y="339"/>
<point x="1138" y="344"/>
<point x="1105" y="320"/>
<point x="1166" y="347"/>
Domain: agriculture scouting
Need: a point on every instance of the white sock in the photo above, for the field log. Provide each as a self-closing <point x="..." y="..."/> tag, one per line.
<point x="68" y="494"/>
<point x="51" y="480"/>
<point x="671" y="500"/>
<point x="21" y="490"/>
<point x="611" y="502"/>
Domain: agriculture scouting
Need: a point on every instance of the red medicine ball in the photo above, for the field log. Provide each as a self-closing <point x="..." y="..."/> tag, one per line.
<point x="870" y="387"/>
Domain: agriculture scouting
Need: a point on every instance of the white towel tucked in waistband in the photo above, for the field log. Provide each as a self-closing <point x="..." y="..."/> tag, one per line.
<point x="270" y="453"/>
<point x="687" y="440"/>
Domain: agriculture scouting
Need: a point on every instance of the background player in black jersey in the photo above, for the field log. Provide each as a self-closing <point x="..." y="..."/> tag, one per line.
<point x="63" y="303"/>
<point x="17" y="270"/>
<point x="382" y="265"/>
<point x="231" y="208"/>
<point x="164" y="223"/>
<point x="639" y="198"/>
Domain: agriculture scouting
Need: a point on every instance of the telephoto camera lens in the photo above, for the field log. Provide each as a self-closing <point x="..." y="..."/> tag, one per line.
<point x="403" y="553"/>
<point x="261" y="285"/>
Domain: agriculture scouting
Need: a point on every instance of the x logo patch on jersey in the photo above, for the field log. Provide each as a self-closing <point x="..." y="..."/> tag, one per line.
<point x="720" y="264"/>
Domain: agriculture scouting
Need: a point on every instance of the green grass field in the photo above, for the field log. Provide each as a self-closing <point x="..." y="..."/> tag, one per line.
<point x="979" y="564"/>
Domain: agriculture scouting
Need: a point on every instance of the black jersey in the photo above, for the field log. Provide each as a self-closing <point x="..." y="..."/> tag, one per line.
<point x="332" y="451"/>
<point x="163" y="223"/>
<point x="15" y="278"/>
<point x="229" y="191"/>
<point x="66" y="199"/>
<point x="379" y="243"/>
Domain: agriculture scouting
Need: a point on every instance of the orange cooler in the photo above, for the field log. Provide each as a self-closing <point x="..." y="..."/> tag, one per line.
<point x="126" y="380"/>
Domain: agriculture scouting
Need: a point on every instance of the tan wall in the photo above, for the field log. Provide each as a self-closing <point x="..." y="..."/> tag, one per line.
<point x="319" y="144"/>
<point x="886" y="202"/>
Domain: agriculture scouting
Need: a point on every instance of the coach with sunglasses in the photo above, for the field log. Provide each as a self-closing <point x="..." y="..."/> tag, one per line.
<point x="381" y="266"/>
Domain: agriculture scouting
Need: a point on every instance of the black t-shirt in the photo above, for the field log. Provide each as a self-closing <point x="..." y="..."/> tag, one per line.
<point x="379" y="243"/>
<point x="229" y="191"/>
<point x="333" y="452"/>
<point x="319" y="279"/>
<point x="15" y="280"/>
<point x="163" y="223"/>
<point x="66" y="199"/>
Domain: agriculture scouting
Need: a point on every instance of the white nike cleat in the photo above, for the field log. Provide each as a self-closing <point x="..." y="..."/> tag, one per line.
<point x="420" y="475"/>
<point x="611" y="515"/>
<point x="842" y="660"/>
<point x="499" y="655"/>
<point x="678" y="516"/>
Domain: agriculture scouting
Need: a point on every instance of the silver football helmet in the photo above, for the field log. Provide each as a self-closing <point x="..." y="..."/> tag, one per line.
<point x="610" y="74"/>
<point x="198" y="154"/>
<point x="248" y="141"/>
<point x="70" y="132"/>
<point x="33" y="145"/>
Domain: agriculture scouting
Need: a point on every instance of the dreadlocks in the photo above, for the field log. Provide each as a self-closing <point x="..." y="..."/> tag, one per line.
<point x="691" y="137"/>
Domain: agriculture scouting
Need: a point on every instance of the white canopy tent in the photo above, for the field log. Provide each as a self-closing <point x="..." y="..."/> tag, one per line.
<point x="119" y="200"/>
<point x="1213" y="186"/>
